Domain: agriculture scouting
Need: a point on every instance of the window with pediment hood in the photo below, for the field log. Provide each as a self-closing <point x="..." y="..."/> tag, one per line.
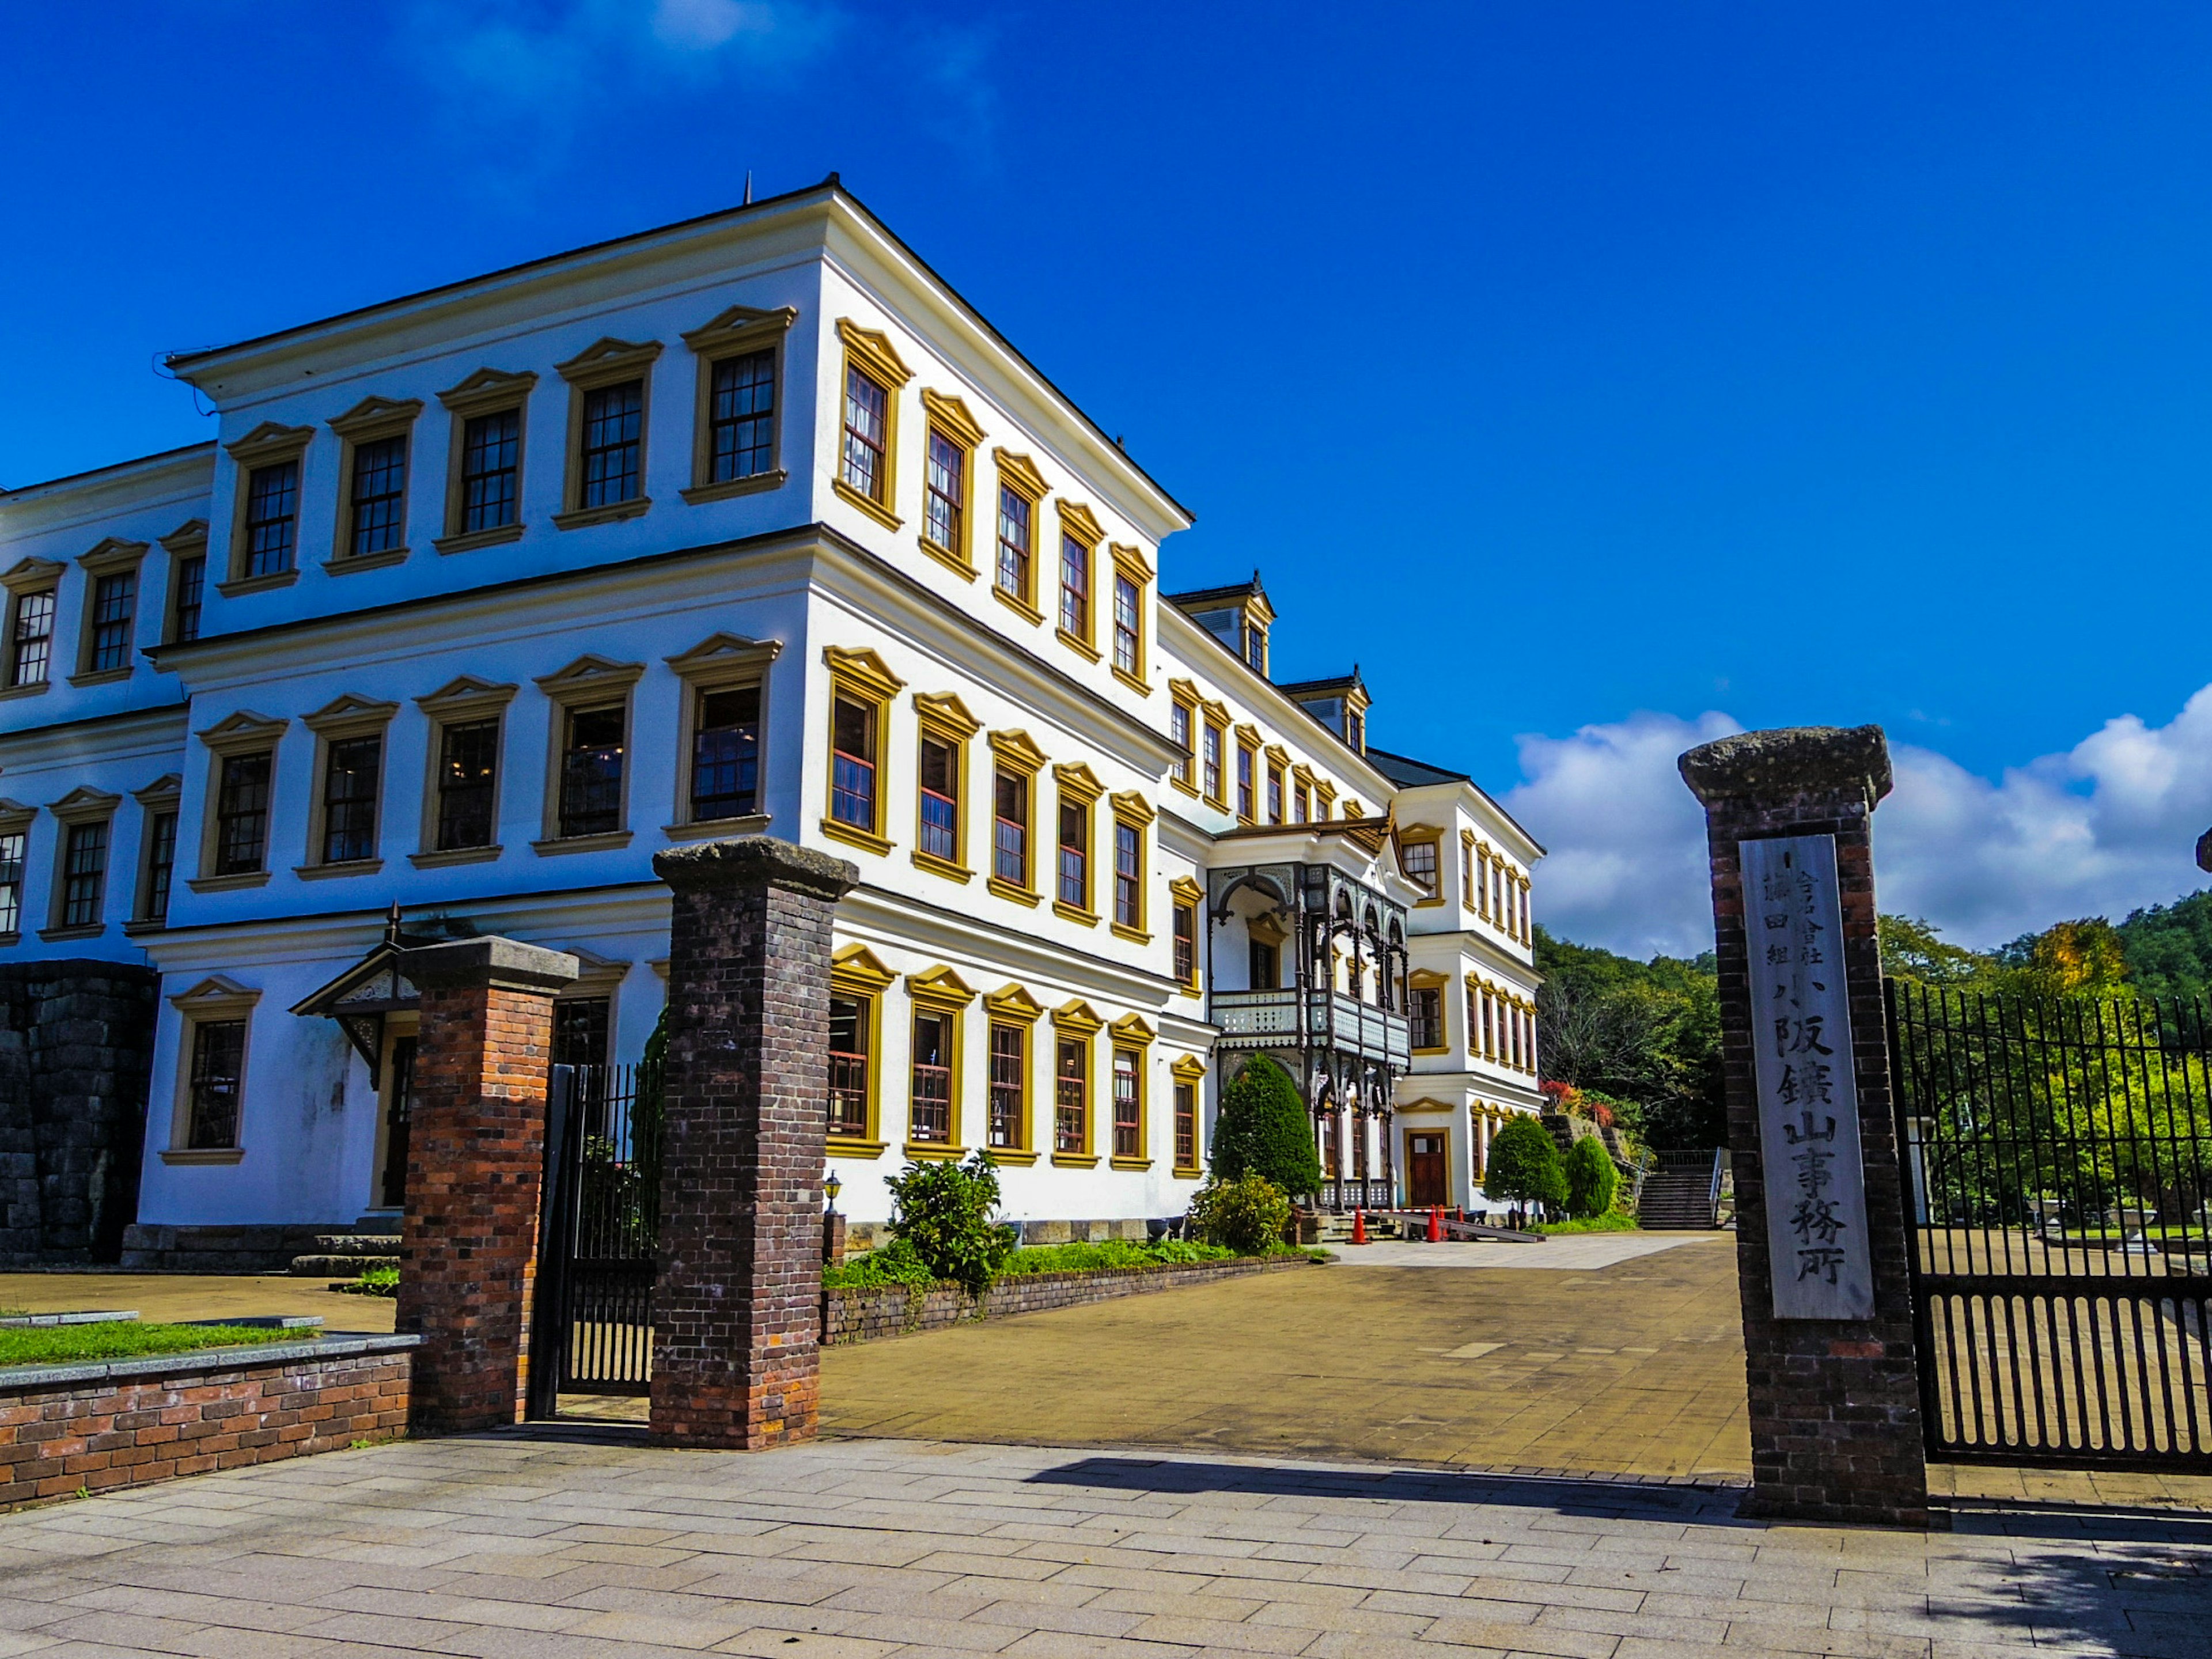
<point x="207" y="1120"/>
<point x="1186" y="895"/>
<point x="33" y="586"/>
<point x="736" y="412"/>
<point x="484" y="472"/>
<point x="587" y="805"/>
<point x="87" y="818"/>
<point x="1132" y="1041"/>
<point x="938" y="998"/>
<point x="948" y="471"/>
<point x="1079" y="539"/>
<point x="1188" y="1073"/>
<point x="944" y="726"/>
<point x="610" y="394"/>
<point x="1016" y="762"/>
<point x="1022" y="490"/>
<point x="1013" y="1014"/>
<point x="15" y="820"/>
<point x="186" y="546"/>
<point x="1132" y="818"/>
<point x="108" y="641"/>
<point x="1073" y="1027"/>
<point x="1078" y="790"/>
<point x="242" y="749"/>
<point x="868" y="397"/>
<point x="461" y="792"/>
<point x="343" y="819"/>
<point x="861" y="687"/>
<point x="858" y="980"/>
<point x="725" y="681"/>
<point x="376" y="457"/>
<point x="269" y="461"/>
<point x="158" y="802"/>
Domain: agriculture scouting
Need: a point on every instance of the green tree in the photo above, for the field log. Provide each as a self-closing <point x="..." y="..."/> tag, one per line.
<point x="942" y="1212"/>
<point x="1915" y="950"/>
<point x="1524" y="1166"/>
<point x="2169" y="949"/>
<point x="1264" y="1129"/>
<point x="1590" y="1176"/>
<point x="1646" y="1033"/>
<point x="1246" y="1213"/>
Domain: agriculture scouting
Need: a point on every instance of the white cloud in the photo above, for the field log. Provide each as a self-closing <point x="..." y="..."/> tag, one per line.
<point x="2103" y="828"/>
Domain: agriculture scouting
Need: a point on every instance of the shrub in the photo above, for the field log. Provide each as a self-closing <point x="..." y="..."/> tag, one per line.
<point x="1591" y="1178"/>
<point x="1246" y="1212"/>
<point x="942" y="1212"/>
<point x="375" y="1281"/>
<point x="1524" y="1166"/>
<point x="895" y="1264"/>
<point x="1264" y="1129"/>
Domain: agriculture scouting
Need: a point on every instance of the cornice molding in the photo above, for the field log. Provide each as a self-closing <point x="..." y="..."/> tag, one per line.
<point x="873" y="347"/>
<point x="272" y="441"/>
<point x="949" y="412"/>
<point x="489" y="389"/>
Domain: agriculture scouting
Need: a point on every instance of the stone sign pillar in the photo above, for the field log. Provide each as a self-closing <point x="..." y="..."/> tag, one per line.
<point x="737" y="1303"/>
<point x="1820" y="1232"/>
<point x="475" y="1157"/>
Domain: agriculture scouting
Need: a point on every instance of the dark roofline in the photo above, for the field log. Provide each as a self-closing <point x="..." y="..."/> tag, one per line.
<point x="10" y="493"/>
<point x="832" y="185"/>
<point x="1336" y="682"/>
<point x="1444" y="776"/>
<point x="1204" y="595"/>
<point x="1439" y="774"/>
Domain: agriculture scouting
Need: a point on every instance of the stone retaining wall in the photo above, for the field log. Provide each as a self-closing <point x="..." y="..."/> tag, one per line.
<point x="163" y="1248"/>
<point x="98" y="1426"/>
<point x="854" y="1315"/>
<point x="75" y="1039"/>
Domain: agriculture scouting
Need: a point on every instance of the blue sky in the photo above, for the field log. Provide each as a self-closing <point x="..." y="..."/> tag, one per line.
<point x="1597" y="376"/>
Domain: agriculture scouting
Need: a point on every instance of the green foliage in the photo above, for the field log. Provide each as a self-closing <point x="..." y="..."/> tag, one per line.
<point x="2169" y="948"/>
<point x="1246" y="1212"/>
<point x="1915" y="950"/>
<point x="1610" y="1222"/>
<point x="1591" y="1178"/>
<point x="896" y="1263"/>
<point x="124" y="1339"/>
<point x="942" y="1212"/>
<point x="1265" y="1129"/>
<point x="1645" y="1035"/>
<point x="1524" y="1166"/>
<point x="1113" y="1253"/>
<point x="375" y="1281"/>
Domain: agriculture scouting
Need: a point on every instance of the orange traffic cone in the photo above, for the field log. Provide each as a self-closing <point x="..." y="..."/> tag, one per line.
<point x="1359" y="1227"/>
<point x="1436" y="1225"/>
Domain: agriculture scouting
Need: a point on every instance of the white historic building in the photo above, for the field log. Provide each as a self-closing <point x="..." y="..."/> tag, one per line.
<point x="481" y="596"/>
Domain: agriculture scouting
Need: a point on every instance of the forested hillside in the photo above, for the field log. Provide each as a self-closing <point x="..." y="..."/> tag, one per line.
<point x="1645" y="1035"/>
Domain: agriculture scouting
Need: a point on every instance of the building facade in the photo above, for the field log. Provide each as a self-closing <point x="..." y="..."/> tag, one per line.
<point x="481" y="597"/>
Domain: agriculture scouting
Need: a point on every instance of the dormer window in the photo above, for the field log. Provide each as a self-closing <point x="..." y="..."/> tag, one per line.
<point x="1255" y="648"/>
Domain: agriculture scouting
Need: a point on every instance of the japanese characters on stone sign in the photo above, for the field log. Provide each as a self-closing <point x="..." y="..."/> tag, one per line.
<point x="1808" y="1107"/>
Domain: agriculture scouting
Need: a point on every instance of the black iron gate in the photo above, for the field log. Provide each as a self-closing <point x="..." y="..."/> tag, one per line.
<point x="592" y="1323"/>
<point x="2060" y="1155"/>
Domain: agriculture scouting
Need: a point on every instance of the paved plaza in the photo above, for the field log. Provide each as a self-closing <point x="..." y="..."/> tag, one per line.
<point x="516" y="1546"/>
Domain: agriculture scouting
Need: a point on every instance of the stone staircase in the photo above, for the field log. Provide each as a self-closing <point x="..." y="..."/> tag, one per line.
<point x="1678" y="1195"/>
<point x="372" y="1242"/>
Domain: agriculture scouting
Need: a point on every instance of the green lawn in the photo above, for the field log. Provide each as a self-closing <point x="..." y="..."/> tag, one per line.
<point x="1612" y="1223"/>
<point x="124" y="1339"/>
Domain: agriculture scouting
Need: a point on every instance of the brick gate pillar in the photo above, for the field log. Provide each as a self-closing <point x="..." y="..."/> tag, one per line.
<point x="737" y="1301"/>
<point x="476" y="1155"/>
<point x="1829" y="1356"/>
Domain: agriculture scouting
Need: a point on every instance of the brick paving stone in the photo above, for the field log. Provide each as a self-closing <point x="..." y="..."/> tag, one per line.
<point x="506" y="1547"/>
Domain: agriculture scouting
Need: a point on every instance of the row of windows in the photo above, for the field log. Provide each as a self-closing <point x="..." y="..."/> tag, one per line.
<point x="1074" y="870"/>
<point x="1500" y="1026"/>
<point x="82" y="858"/>
<point x="587" y="792"/>
<point x="1260" y="785"/>
<point x="1013" y="506"/>
<point x="735" y="450"/>
<point x="106" y="638"/>
<point x="940" y="1096"/>
<point x="1494" y="890"/>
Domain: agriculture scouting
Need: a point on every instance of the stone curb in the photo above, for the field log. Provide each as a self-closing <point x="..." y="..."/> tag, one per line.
<point x="30" y="1379"/>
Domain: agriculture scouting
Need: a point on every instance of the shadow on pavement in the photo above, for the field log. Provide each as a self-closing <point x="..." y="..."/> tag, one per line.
<point x="1625" y="1497"/>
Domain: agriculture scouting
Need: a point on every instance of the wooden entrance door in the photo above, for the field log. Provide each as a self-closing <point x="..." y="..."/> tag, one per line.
<point x="1425" y="1184"/>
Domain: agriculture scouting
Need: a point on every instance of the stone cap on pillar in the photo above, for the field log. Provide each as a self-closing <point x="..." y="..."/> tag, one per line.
<point x="743" y="861"/>
<point x="1791" y="761"/>
<point x="502" y="965"/>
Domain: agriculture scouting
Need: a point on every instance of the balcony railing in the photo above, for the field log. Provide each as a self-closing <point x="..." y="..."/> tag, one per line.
<point x="1270" y="1019"/>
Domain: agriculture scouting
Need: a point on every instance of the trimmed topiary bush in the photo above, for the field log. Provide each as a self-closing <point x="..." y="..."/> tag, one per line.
<point x="1591" y="1178"/>
<point x="1248" y="1213"/>
<point x="942" y="1213"/>
<point x="1524" y="1166"/>
<point x="1265" y="1129"/>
